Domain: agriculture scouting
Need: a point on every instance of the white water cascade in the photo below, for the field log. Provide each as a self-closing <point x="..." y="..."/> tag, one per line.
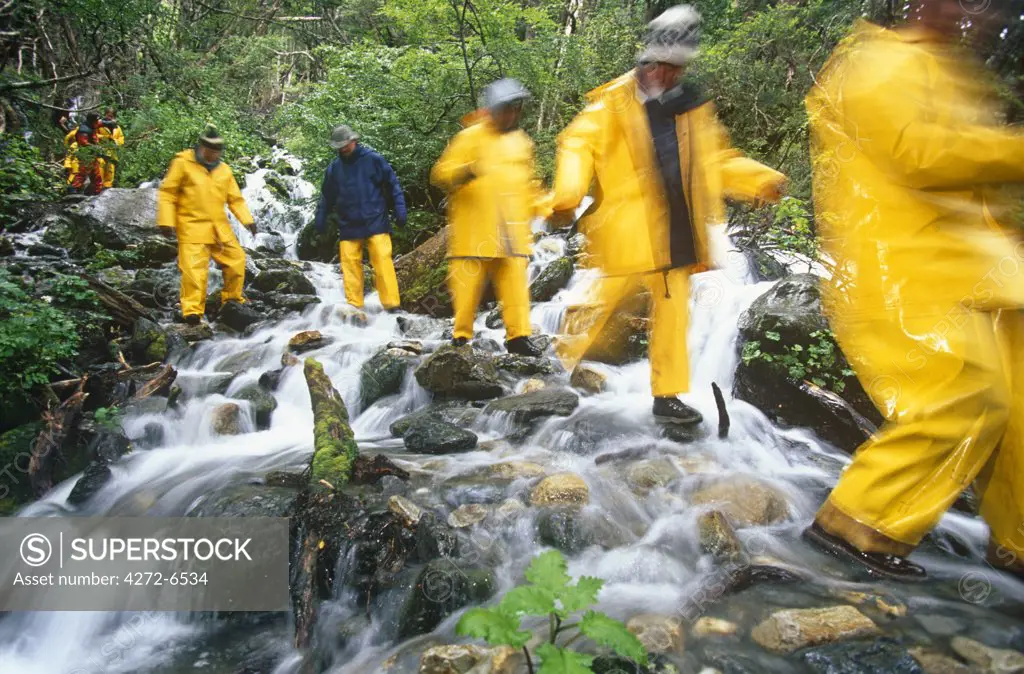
<point x="656" y="567"/>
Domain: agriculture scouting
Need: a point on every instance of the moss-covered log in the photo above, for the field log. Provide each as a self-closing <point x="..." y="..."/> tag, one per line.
<point x="334" y="445"/>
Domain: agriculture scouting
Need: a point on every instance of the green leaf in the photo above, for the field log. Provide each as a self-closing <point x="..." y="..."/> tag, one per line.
<point x="549" y="571"/>
<point x="527" y="599"/>
<point x="492" y="626"/>
<point x="581" y="595"/>
<point x="772" y="335"/>
<point x="555" y="660"/>
<point x="613" y="634"/>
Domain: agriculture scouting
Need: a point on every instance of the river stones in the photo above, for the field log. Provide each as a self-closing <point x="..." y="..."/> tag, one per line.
<point x="1001" y="660"/>
<point x="588" y="379"/>
<point x="643" y="476"/>
<point x="433" y="436"/>
<point x="467" y="515"/>
<point x="744" y="500"/>
<point x="407" y="511"/>
<point x="459" y="372"/>
<point x="713" y="627"/>
<point x="239" y="316"/>
<point x="933" y="662"/>
<point x="881" y="656"/>
<point x="461" y="659"/>
<point x="262" y="402"/>
<point x="658" y="633"/>
<point x="792" y="629"/>
<point x="551" y="279"/>
<point x="531" y="385"/>
<point x="227" y="419"/>
<point x="717" y="537"/>
<point x="560" y="489"/>
<point x="382" y="375"/>
<point x="283" y="280"/>
<point x="307" y="340"/>
<point x="527" y="407"/>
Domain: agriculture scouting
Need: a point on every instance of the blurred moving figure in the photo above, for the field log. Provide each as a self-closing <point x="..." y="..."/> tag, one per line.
<point x="110" y="132"/>
<point x="662" y="164"/>
<point x="358" y="190"/>
<point x="191" y="205"/>
<point x="908" y="165"/>
<point x="488" y="170"/>
<point x="86" y="173"/>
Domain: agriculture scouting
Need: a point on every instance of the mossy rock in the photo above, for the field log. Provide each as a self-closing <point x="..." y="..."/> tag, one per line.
<point x="551" y="280"/>
<point x="263" y="404"/>
<point x="382" y="375"/>
<point x="275" y="183"/>
<point x="441" y="588"/>
<point x="317" y="246"/>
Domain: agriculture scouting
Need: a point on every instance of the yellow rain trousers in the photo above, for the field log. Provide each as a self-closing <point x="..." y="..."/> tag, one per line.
<point x="489" y="215"/>
<point x="627" y="230"/>
<point x="70" y="160"/>
<point x="192" y="200"/>
<point x="927" y="294"/>
<point x="110" y="167"/>
<point x="351" y="256"/>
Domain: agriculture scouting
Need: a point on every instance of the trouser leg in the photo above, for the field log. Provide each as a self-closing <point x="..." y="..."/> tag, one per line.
<point x="947" y="408"/>
<point x="670" y="363"/>
<point x="231" y="258"/>
<point x="583" y="323"/>
<point x="466" y="279"/>
<point x="384" y="270"/>
<point x="194" y="265"/>
<point x="351" y="255"/>
<point x="512" y="290"/>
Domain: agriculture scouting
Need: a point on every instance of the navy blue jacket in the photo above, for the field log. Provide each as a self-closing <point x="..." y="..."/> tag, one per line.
<point x="359" y="190"/>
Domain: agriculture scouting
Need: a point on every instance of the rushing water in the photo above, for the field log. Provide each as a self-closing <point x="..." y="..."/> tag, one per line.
<point x="657" y="566"/>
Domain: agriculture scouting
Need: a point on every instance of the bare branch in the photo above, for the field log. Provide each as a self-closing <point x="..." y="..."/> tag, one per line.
<point x="17" y="86"/>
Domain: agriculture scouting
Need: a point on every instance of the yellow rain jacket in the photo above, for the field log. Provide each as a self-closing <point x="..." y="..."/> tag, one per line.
<point x="489" y="216"/>
<point x="627" y="228"/>
<point x="907" y="153"/>
<point x="70" y="160"/>
<point x="110" y="167"/>
<point x="192" y="201"/>
<point x="908" y="158"/>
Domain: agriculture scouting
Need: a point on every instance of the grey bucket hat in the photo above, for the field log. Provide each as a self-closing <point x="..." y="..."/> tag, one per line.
<point x="504" y="92"/>
<point x="342" y="135"/>
<point x="672" y="37"/>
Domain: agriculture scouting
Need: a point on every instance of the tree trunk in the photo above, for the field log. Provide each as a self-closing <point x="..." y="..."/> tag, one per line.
<point x="46" y="451"/>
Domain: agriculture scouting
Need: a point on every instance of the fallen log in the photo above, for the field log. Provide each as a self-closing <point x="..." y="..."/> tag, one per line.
<point x="160" y="383"/>
<point x="723" y="413"/>
<point x="123" y="309"/>
<point x="46" y="451"/>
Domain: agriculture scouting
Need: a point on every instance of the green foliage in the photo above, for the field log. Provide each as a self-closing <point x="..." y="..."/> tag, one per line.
<point x="23" y="172"/>
<point x="549" y="593"/>
<point x="820" y="361"/>
<point x="109" y="418"/>
<point x="104" y="258"/>
<point x="34" y="338"/>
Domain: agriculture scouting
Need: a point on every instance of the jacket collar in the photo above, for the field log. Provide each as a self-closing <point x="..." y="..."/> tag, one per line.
<point x="358" y="152"/>
<point x="197" y="159"/>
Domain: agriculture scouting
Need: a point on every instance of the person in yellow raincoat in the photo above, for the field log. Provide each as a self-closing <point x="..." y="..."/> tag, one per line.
<point x="110" y="132"/>
<point x="191" y="204"/>
<point x="926" y="296"/>
<point x="662" y="163"/>
<point x="488" y="171"/>
<point x="70" y="161"/>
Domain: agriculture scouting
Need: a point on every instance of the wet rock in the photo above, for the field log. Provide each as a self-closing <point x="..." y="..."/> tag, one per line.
<point x="317" y="246"/>
<point x="150" y="343"/>
<point x="512" y="470"/>
<point x="459" y="372"/>
<point x="371" y="471"/>
<point x="440" y="589"/>
<point x="116" y="277"/>
<point x="283" y="478"/>
<point x="115" y="219"/>
<point x="6" y="246"/>
<point x="434" y="539"/>
<point x="792" y="629"/>
<point x="406" y="510"/>
<point x="467" y="515"/>
<point x="247" y="500"/>
<point x="227" y="419"/>
<point x="289" y="359"/>
<point x="888" y="605"/>
<point x="383" y="374"/>
<point x="510" y="510"/>
<point x="560" y="489"/>
<point x="307" y="340"/>
<point x="791" y="309"/>
<point x="421" y="327"/>
<point x="658" y="633"/>
<point x="717" y="537"/>
<point x="494" y="320"/>
<point x="432" y="436"/>
<point x="408" y="345"/>
<point x="523" y="366"/>
<point x="939" y="625"/>
<point x="239" y="362"/>
<point x="933" y="662"/>
<point x="744" y="500"/>
<point x="272" y="243"/>
<point x="713" y="627"/>
<point x="352" y="315"/>
<point x="561" y="528"/>
<point x="684" y="434"/>
<point x="527" y="407"/>
<point x="553" y="278"/>
<point x="239" y="315"/>
<point x="469" y="659"/>
<point x="588" y="379"/>
<point x="271" y="379"/>
<point x="423" y="277"/>
<point x="96" y="474"/>
<point x="643" y="476"/>
<point x="393" y="486"/>
<point x="155" y="252"/>
<point x="1001" y="660"/>
<point x="532" y="385"/>
<point x="291" y="281"/>
<point x="881" y="656"/>
<point x="263" y="404"/>
<point x="291" y="302"/>
<point x="456" y="494"/>
<point x="452" y="411"/>
<point x="192" y="333"/>
<point x="623" y="339"/>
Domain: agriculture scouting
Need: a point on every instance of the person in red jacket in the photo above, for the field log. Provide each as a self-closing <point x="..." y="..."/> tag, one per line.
<point x="88" y="168"/>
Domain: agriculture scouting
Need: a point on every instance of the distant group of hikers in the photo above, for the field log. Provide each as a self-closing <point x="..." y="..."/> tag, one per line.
<point x="92" y="170"/>
<point x="908" y="159"/>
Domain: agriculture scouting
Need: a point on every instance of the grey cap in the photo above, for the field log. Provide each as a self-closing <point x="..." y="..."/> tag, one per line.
<point x="342" y="136"/>
<point x="211" y="138"/>
<point x="504" y="92"/>
<point x="672" y="37"/>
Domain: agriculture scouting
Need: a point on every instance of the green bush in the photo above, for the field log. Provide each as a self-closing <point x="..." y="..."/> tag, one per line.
<point x="23" y="172"/>
<point x="34" y="337"/>
<point x="819" y="361"/>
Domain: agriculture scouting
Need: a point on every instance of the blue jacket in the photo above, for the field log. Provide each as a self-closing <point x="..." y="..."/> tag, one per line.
<point x="359" y="190"/>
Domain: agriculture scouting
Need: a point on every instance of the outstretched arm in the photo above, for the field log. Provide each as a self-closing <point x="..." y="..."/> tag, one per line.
<point x="578" y="146"/>
<point x="397" y="198"/>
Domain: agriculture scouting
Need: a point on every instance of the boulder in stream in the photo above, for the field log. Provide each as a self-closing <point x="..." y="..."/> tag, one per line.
<point x="441" y="588"/>
<point x="527" y="407"/>
<point x="588" y="379"/>
<point x="239" y="316"/>
<point x="988" y="658"/>
<point x="307" y="340"/>
<point x="423" y="277"/>
<point x="96" y="474"/>
<point x="744" y="500"/>
<point x="792" y="629"/>
<point x="560" y="489"/>
<point x="881" y="656"/>
<point x="433" y="436"/>
<point x="468" y="659"/>
<point x="551" y="279"/>
<point x="459" y="372"/>
<point x="227" y="419"/>
<point x="247" y="500"/>
<point x="382" y="375"/>
<point x="263" y="404"/>
<point x="658" y="633"/>
<point x="284" y="280"/>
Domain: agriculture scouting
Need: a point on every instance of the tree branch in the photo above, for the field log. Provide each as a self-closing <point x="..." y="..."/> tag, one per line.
<point x="17" y="86"/>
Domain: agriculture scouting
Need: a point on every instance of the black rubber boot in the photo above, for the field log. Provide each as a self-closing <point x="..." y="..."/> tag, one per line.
<point x="459" y="341"/>
<point x="672" y="410"/>
<point x="193" y="319"/>
<point x="522" y="346"/>
<point x="876" y="563"/>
